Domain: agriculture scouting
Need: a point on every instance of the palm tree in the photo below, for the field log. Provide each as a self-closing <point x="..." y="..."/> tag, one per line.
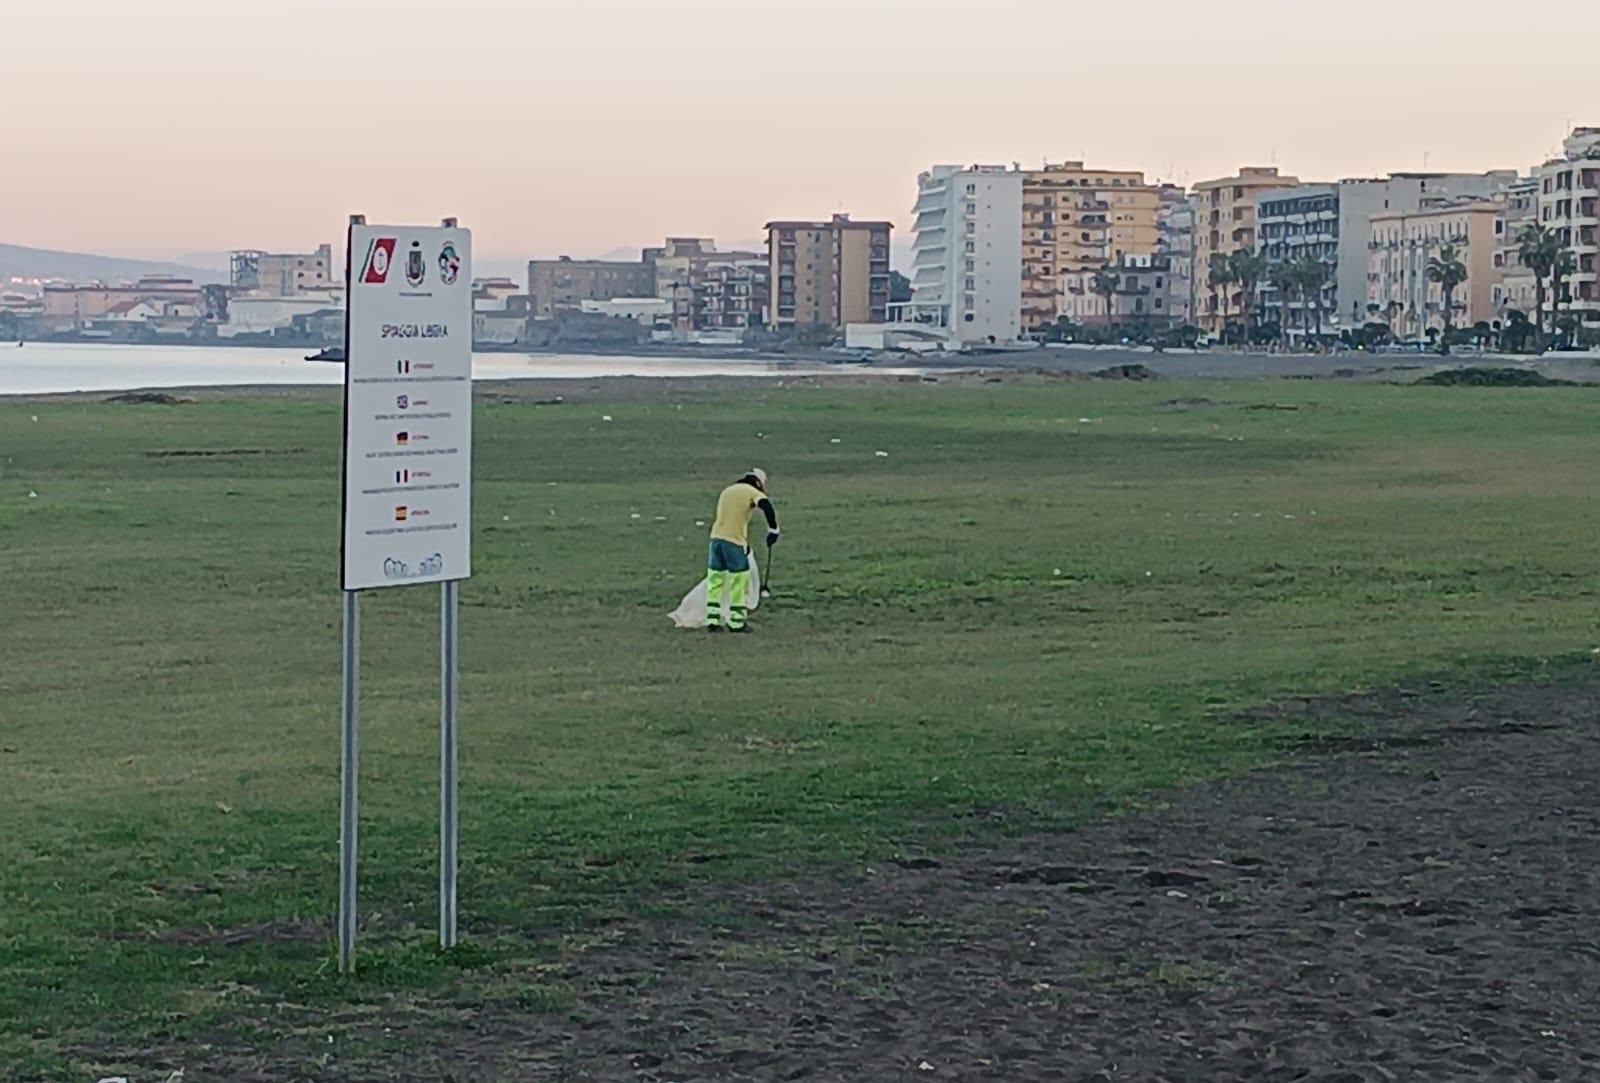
<point x="1311" y="275"/>
<point x="1447" y="269"/>
<point x="1282" y="279"/>
<point x="1219" y="276"/>
<point x="1564" y="266"/>
<point x="1105" y="283"/>
<point x="1538" y="248"/>
<point x="1247" y="268"/>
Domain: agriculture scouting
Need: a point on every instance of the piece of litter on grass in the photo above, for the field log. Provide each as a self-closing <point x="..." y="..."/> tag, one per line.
<point x="836" y="440"/>
<point x="505" y="518"/>
<point x="699" y="522"/>
<point x="1175" y="894"/>
<point x="114" y="1079"/>
<point x="1148" y="574"/>
<point x="661" y="518"/>
<point x="881" y="454"/>
<point x="636" y="515"/>
<point x="1057" y="572"/>
<point x="924" y="1066"/>
<point x="36" y="417"/>
<point x="32" y="495"/>
<point x="605" y="417"/>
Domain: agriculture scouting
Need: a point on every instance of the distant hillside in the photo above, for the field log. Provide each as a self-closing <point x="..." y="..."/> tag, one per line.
<point x="19" y="262"/>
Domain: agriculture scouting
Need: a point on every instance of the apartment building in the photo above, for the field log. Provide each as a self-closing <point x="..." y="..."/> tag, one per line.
<point x="562" y="285"/>
<point x="1569" y="203"/>
<point x="709" y="289"/>
<point x="1332" y="223"/>
<point x="1295" y="225"/>
<point x="1225" y="223"/>
<point x="831" y="273"/>
<point x="1402" y="242"/>
<point x="1175" y="242"/>
<point x="967" y="263"/>
<point x="1517" y="289"/>
<point x="1139" y="297"/>
<point x="1077" y="219"/>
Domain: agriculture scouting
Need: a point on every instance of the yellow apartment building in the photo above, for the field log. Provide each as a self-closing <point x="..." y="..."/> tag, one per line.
<point x="1076" y="219"/>
<point x="831" y="273"/>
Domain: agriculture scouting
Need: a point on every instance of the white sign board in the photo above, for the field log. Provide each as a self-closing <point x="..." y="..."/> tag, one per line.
<point x="408" y="407"/>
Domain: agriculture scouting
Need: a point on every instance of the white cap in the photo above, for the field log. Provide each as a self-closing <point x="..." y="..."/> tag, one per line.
<point x="760" y="475"/>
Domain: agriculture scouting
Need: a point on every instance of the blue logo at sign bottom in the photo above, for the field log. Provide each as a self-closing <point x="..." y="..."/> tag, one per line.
<point x="394" y="568"/>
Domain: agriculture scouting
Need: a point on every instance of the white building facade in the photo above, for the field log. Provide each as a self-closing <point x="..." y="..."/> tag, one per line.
<point x="1569" y="203"/>
<point x="966" y="267"/>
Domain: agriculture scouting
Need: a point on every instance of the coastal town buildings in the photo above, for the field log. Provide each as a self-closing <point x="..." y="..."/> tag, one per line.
<point x="1401" y="244"/>
<point x="562" y="285"/>
<point x="1133" y="293"/>
<point x="1225" y="223"/>
<point x="710" y="290"/>
<point x="281" y="274"/>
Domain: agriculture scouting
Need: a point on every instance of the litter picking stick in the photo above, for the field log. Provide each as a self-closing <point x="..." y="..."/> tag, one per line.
<point x="766" y="576"/>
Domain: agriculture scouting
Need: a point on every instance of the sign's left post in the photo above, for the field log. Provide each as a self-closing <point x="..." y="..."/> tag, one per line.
<point x="407" y="493"/>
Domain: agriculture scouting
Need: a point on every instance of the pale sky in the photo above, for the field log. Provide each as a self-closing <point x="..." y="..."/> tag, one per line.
<point x="161" y="127"/>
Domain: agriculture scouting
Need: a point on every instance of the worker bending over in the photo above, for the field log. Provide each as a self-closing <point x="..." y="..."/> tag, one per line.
<point x="729" y="560"/>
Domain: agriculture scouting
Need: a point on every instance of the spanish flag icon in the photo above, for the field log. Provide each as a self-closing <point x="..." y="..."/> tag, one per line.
<point x="401" y="514"/>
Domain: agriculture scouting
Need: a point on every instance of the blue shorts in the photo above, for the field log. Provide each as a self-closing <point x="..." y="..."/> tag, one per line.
<point x="725" y="556"/>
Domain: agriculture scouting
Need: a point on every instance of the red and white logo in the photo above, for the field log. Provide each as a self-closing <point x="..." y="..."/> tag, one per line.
<point x="379" y="255"/>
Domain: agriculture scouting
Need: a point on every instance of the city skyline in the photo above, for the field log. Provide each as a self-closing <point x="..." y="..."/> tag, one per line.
<point x="580" y="131"/>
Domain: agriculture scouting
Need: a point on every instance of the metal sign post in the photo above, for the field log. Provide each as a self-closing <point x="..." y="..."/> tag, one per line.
<point x="347" y="781"/>
<point x="407" y="486"/>
<point x="448" y="641"/>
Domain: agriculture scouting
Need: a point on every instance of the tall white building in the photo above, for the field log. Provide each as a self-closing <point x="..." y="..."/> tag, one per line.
<point x="966" y="266"/>
<point x="1569" y="203"/>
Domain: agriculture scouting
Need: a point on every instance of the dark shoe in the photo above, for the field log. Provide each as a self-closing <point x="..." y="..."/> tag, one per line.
<point x="741" y="630"/>
<point x="713" y="627"/>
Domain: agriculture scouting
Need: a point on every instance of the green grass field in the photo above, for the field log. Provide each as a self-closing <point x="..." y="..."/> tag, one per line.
<point x="1046" y="599"/>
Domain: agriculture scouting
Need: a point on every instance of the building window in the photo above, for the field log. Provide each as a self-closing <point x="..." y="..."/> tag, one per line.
<point x="970" y="246"/>
<point x="972" y="189"/>
<point x="972" y="208"/>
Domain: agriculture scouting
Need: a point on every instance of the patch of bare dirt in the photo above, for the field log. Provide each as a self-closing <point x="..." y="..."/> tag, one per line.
<point x="1422" y="903"/>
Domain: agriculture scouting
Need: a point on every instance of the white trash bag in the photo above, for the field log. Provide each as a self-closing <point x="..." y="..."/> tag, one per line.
<point x="691" y="612"/>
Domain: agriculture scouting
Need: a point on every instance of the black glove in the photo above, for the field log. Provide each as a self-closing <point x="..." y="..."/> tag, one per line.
<point x="772" y="538"/>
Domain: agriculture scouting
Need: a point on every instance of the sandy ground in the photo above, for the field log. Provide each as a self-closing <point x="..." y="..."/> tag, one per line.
<point x="1420" y="904"/>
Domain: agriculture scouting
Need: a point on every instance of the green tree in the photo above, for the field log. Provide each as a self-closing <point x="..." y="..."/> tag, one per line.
<point x="1219" y="276"/>
<point x="1564" y="266"/>
<point x="1283" y="282"/>
<point x="1450" y="273"/>
<point x="1538" y="248"/>
<point x="1311" y="278"/>
<point x="1246" y="268"/>
<point x="1105" y="283"/>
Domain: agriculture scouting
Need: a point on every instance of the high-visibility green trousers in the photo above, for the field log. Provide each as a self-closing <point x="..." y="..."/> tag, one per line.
<point x="728" y="574"/>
